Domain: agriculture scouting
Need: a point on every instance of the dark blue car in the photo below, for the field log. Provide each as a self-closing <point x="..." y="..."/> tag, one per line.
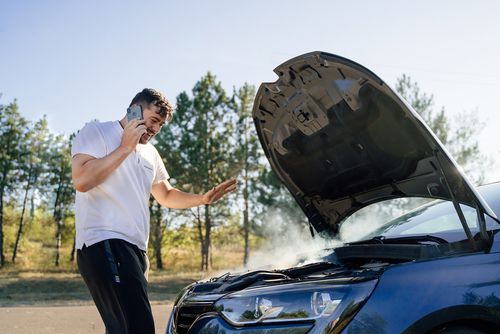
<point x="341" y="140"/>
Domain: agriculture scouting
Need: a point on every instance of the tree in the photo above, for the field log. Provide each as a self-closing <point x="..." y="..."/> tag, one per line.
<point x="73" y="248"/>
<point x="61" y="182"/>
<point x="197" y="150"/>
<point x="36" y="146"/>
<point x="13" y="130"/>
<point x="157" y="231"/>
<point x="167" y="142"/>
<point x="249" y="156"/>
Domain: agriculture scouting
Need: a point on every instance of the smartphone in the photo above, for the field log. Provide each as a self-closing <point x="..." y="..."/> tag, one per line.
<point x="133" y="112"/>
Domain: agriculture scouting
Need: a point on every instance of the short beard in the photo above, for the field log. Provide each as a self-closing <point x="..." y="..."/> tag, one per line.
<point x="143" y="140"/>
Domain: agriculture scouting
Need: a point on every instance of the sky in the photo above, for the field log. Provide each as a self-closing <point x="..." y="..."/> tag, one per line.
<point x="75" y="61"/>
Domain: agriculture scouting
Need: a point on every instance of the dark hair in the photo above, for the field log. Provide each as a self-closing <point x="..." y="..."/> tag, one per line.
<point x="149" y="95"/>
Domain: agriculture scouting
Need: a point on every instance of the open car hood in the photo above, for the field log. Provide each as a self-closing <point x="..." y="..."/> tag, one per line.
<point x="340" y="139"/>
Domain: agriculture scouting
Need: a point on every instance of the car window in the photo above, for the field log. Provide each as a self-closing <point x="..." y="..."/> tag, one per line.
<point x="441" y="217"/>
<point x="436" y="217"/>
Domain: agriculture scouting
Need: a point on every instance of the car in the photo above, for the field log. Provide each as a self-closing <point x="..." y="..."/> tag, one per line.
<point x="341" y="140"/>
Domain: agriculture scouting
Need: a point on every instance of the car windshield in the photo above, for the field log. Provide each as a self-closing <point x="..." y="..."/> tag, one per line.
<point x="437" y="218"/>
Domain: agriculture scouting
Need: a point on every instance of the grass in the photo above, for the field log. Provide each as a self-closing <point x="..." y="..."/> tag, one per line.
<point x="23" y="285"/>
<point x="29" y="288"/>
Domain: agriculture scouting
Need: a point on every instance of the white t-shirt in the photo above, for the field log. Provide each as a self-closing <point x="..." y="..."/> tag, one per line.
<point x="118" y="208"/>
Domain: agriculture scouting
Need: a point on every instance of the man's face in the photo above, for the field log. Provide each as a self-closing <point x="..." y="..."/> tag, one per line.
<point x="153" y="121"/>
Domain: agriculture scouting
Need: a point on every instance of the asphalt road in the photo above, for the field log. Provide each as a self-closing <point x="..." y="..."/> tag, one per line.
<point x="64" y="319"/>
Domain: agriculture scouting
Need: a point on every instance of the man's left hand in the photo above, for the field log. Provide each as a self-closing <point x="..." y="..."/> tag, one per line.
<point x="219" y="191"/>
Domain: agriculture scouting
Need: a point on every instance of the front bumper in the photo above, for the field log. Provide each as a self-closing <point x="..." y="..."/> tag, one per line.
<point x="213" y="324"/>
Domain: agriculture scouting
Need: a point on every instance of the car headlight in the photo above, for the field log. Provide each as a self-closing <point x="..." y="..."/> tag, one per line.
<point x="294" y="302"/>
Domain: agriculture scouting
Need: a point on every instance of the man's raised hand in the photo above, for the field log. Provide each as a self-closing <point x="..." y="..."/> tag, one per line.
<point x="219" y="191"/>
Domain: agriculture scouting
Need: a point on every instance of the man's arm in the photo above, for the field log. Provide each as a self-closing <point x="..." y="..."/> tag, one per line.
<point x="88" y="171"/>
<point x="173" y="198"/>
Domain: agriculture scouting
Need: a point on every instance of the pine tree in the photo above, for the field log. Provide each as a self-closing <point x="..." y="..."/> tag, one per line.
<point x="13" y="131"/>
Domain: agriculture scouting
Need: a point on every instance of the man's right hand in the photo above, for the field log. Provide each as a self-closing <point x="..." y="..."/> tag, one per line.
<point x="132" y="133"/>
<point x="88" y="171"/>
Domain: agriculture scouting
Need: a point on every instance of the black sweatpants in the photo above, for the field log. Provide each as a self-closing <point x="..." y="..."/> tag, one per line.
<point x="115" y="272"/>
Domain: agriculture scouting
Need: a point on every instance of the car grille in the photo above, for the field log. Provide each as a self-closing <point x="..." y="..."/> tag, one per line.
<point x="186" y="314"/>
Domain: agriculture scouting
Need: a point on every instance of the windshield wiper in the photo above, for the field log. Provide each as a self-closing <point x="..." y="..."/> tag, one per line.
<point x="414" y="239"/>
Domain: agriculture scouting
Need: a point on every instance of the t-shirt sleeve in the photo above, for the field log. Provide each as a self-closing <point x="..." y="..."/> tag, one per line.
<point x="89" y="141"/>
<point x="161" y="172"/>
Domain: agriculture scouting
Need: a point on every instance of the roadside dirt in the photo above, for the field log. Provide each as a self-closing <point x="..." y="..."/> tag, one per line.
<point x="65" y="319"/>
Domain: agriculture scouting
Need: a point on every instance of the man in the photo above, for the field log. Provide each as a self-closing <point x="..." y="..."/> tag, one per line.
<point x="115" y="169"/>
